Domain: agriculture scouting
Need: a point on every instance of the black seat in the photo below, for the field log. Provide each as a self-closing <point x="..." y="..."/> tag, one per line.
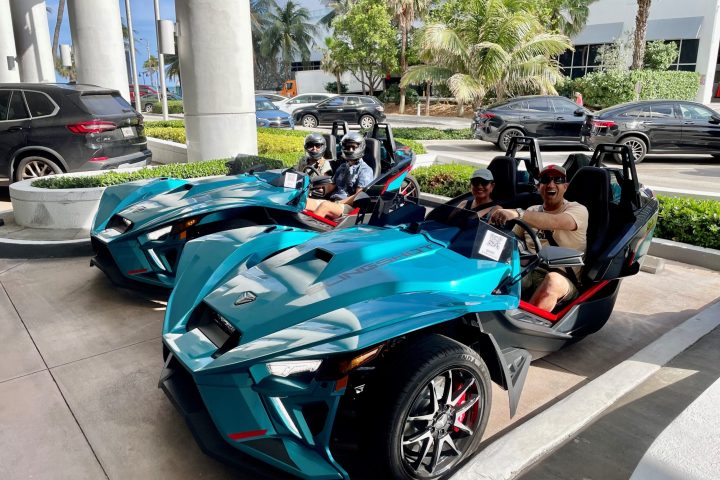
<point x="331" y="147"/>
<point x="372" y="155"/>
<point x="575" y="162"/>
<point x="591" y="187"/>
<point x="504" y="170"/>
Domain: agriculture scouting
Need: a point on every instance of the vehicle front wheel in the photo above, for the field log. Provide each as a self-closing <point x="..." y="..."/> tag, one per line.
<point x="504" y="140"/>
<point x="637" y="147"/>
<point x="309" y="121"/>
<point x="431" y="408"/>
<point x="148" y="107"/>
<point x="36" y="166"/>
<point x="410" y="189"/>
<point x="367" y="122"/>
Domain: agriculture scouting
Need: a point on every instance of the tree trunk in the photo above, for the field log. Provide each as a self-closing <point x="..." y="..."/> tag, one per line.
<point x="58" y="23"/>
<point x="337" y="83"/>
<point x="428" y="87"/>
<point x="640" y="28"/>
<point x="403" y="67"/>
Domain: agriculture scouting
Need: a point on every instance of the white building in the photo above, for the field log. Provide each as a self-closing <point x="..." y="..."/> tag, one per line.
<point x="693" y="24"/>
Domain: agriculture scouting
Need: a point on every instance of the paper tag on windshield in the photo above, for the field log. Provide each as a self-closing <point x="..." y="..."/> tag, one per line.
<point x="291" y="180"/>
<point x="492" y="245"/>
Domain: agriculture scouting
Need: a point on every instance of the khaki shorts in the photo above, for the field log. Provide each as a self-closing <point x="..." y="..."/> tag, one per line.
<point x="532" y="281"/>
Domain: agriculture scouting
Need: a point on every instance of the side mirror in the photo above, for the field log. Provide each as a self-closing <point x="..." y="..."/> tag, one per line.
<point x="559" y="257"/>
<point x="715" y="119"/>
<point x="579" y="112"/>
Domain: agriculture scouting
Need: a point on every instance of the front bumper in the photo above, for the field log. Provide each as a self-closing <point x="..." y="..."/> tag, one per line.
<point x="234" y="417"/>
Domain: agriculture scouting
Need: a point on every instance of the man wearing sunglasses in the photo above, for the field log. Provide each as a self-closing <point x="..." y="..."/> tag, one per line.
<point x="315" y="147"/>
<point x="557" y="222"/>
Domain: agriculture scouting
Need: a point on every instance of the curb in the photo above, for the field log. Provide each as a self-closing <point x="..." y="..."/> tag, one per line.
<point x="536" y="439"/>
<point x="45" y="249"/>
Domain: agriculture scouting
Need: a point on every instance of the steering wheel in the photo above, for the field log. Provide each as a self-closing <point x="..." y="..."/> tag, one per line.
<point x="311" y="171"/>
<point x="533" y="236"/>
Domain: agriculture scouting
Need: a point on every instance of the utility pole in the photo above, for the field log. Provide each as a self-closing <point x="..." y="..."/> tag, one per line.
<point x="133" y="64"/>
<point x="161" y="63"/>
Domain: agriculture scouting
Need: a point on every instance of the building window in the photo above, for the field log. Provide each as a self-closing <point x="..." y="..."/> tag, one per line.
<point x="301" y="66"/>
<point x="687" y="54"/>
<point x="584" y="60"/>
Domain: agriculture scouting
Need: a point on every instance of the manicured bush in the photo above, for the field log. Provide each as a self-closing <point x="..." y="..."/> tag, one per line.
<point x="392" y="95"/>
<point x="417" y="147"/>
<point x="429" y="133"/>
<point x="271" y="142"/>
<point x="687" y="220"/>
<point x="606" y="88"/>
<point x="166" y="124"/>
<point x="174" y="106"/>
<point x="166" y="133"/>
<point x="447" y="180"/>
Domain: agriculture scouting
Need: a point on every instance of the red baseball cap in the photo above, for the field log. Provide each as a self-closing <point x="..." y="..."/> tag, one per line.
<point x="554" y="170"/>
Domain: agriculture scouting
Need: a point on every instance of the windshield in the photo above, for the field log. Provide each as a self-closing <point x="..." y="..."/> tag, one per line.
<point x="261" y="105"/>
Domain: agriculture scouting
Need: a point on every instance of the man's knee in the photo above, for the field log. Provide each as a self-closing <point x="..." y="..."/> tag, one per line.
<point x="555" y="284"/>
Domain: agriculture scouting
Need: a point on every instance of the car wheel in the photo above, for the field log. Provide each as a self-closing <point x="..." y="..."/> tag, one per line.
<point x="410" y="189"/>
<point x="309" y="121"/>
<point x="148" y="107"/>
<point x="637" y="147"/>
<point x="36" y="166"/>
<point x="367" y="122"/>
<point x="431" y="407"/>
<point x="504" y="140"/>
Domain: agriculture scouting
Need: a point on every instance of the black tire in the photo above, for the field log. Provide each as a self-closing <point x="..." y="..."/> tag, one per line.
<point x="148" y="108"/>
<point x="309" y="121"/>
<point x="408" y="388"/>
<point x="410" y="189"/>
<point x="36" y="166"/>
<point x="637" y="145"/>
<point x="366" y="122"/>
<point x="506" y="135"/>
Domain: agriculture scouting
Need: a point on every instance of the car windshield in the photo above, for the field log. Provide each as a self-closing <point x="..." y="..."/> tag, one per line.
<point x="261" y="105"/>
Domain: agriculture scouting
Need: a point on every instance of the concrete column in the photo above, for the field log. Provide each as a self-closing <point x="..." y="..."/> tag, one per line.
<point x="32" y="41"/>
<point x="98" y="43"/>
<point x="215" y="49"/>
<point x="9" y="71"/>
<point x="708" y="52"/>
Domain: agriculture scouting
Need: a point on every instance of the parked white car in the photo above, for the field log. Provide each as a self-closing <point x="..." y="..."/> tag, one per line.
<point x="289" y="105"/>
<point x="273" y="97"/>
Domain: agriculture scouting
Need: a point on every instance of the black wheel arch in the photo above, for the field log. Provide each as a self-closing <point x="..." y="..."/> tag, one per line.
<point x="639" y="135"/>
<point x="36" y="150"/>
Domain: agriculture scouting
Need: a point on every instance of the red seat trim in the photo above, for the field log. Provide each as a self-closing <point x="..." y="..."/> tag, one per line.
<point x="314" y="215"/>
<point x="390" y="180"/>
<point x="554" y="317"/>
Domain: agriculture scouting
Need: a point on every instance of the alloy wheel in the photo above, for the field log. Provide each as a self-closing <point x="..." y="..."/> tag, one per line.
<point x="508" y="135"/>
<point x="441" y="422"/>
<point x="367" y="122"/>
<point x="308" y="121"/>
<point x="637" y="148"/>
<point x="36" y="167"/>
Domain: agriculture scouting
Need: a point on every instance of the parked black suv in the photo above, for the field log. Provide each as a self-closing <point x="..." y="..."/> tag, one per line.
<point x="54" y="128"/>
<point x="363" y="110"/>
<point x="549" y="118"/>
<point x="662" y="126"/>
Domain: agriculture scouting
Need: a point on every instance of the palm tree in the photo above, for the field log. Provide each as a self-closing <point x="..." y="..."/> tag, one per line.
<point x="337" y="8"/>
<point x="151" y="66"/>
<point x="405" y="12"/>
<point x="288" y="34"/>
<point x="570" y="16"/>
<point x="58" y="24"/>
<point x="172" y="66"/>
<point x="332" y="66"/>
<point x="641" y="20"/>
<point x="489" y="48"/>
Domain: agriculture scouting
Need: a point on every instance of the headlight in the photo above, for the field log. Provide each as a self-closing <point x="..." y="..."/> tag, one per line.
<point x="380" y="109"/>
<point x="155" y="235"/>
<point x="285" y="369"/>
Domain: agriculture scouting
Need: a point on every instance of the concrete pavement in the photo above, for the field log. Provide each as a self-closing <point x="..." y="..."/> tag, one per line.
<point x="80" y="361"/>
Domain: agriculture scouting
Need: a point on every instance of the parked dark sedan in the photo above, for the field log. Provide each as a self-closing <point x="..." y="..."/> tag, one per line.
<point x="656" y="126"/>
<point x="54" y="128"/>
<point x="553" y="120"/>
<point x="363" y="110"/>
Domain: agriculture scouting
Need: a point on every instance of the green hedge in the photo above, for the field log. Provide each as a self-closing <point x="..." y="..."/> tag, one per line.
<point x="166" y="124"/>
<point x="174" y="106"/>
<point x="685" y="220"/>
<point x="607" y="88"/>
<point x="429" y="133"/>
<point x="271" y="142"/>
<point x="166" y="133"/>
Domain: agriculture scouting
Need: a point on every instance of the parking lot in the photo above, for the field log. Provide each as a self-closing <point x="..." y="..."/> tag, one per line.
<point x="81" y="359"/>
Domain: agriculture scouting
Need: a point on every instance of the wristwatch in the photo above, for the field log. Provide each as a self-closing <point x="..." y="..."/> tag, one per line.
<point x="520" y="213"/>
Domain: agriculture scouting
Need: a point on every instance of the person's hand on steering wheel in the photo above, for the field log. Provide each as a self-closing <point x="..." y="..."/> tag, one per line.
<point x="311" y="171"/>
<point x="501" y="216"/>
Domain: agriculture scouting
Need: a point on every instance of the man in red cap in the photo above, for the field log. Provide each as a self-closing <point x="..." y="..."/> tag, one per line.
<point x="557" y="222"/>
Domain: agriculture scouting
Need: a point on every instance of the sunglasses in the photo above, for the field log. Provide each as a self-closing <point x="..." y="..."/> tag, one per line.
<point x="546" y="179"/>
<point x="315" y="145"/>
<point x="476" y="182"/>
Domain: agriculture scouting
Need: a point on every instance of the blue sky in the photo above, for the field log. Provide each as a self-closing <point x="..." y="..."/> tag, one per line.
<point x="143" y="15"/>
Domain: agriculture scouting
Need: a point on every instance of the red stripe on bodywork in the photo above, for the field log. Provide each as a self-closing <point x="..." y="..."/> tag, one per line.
<point x="530" y="308"/>
<point x="314" y="215"/>
<point x="135" y="272"/>
<point x="242" y="435"/>
<point x="405" y="170"/>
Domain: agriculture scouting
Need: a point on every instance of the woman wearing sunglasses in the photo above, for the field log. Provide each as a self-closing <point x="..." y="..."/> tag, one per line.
<point x="557" y="222"/>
